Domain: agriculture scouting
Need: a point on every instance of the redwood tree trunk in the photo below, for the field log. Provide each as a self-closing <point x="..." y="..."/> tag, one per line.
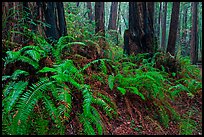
<point x="140" y="28"/>
<point x="99" y="17"/>
<point x="184" y="35"/>
<point x="54" y="16"/>
<point x="173" y="28"/>
<point x="113" y="16"/>
<point x="194" y="34"/>
<point x="163" y="41"/>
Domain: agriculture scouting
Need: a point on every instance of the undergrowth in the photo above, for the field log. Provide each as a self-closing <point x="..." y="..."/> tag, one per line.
<point x="73" y="85"/>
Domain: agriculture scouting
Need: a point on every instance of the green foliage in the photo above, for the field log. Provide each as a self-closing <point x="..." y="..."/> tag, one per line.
<point x="16" y="74"/>
<point x="46" y="106"/>
<point x="29" y="54"/>
<point x="187" y="126"/>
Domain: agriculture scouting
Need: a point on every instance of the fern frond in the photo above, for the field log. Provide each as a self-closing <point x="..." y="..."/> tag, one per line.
<point x="100" y="102"/>
<point x="10" y="100"/>
<point x="64" y="96"/>
<point x="52" y="110"/>
<point x="122" y="90"/>
<point x="35" y="55"/>
<point x="88" y="128"/>
<point x="111" y="81"/>
<point x="17" y="73"/>
<point x="135" y="91"/>
<point x="29" y="61"/>
<point x="11" y="57"/>
<point x="26" y="104"/>
<point x="97" y="120"/>
<point x="47" y="69"/>
<point x="87" y="101"/>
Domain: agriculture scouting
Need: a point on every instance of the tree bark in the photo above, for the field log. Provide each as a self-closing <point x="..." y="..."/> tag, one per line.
<point x="173" y="28"/>
<point x="140" y="28"/>
<point x="113" y="16"/>
<point x="184" y="34"/>
<point x="61" y="19"/>
<point x="163" y="42"/>
<point x="194" y="34"/>
<point x="99" y="18"/>
<point x="54" y="16"/>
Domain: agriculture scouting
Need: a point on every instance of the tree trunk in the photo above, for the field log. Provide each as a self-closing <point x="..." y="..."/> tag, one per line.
<point x="140" y="28"/>
<point x="173" y="28"/>
<point x="163" y="41"/>
<point x="61" y="19"/>
<point x="184" y="34"/>
<point x="99" y="18"/>
<point x="55" y="20"/>
<point x="90" y="13"/>
<point x="194" y="34"/>
<point x="159" y="23"/>
<point x="113" y="16"/>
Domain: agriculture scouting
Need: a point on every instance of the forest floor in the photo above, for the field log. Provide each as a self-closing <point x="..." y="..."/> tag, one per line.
<point x="134" y="119"/>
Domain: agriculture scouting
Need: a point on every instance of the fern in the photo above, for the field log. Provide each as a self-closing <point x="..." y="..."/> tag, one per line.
<point x="25" y="106"/>
<point x="10" y="100"/>
<point x="16" y="74"/>
<point x="187" y="126"/>
<point x="52" y="110"/>
<point x="111" y="82"/>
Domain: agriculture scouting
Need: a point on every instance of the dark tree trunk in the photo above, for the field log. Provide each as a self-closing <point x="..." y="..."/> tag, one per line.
<point x="54" y="16"/>
<point x="173" y="28"/>
<point x="184" y="34"/>
<point x="163" y="41"/>
<point x="50" y="18"/>
<point x="159" y="23"/>
<point x="194" y="33"/>
<point x="150" y="6"/>
<point x="90" y="13"/>
<point x="119" y="19"/>
<point x="100" y="29"/>
<point x="126" y="48"/>
<point x="99" y="18"/>
<point x="61" y="19"/>
<point x="118" y="23"/>
<point x="113" y="16"/>
<point x="140" y="28"/>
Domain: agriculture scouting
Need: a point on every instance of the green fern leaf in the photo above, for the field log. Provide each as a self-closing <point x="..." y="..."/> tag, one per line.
<point x="88" y="128"/>
<point x="47" y="69"/>
<point x="122" y="90"/>
<point x="14" y="95"/>
<point x="135" y="91"/>
<point x="29" y="61"/>
<point x="111" y="82"/>
<point x="26" y="104"/>
<point x="35" y="55"/>
<point x="19" y="72"/>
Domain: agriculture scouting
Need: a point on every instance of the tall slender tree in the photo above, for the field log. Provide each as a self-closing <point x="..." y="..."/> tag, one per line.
<point x="163" y="40"/>
<point x="100" y="28"/>
<point x="99" y="17"/>
<point x="173" y="28"/>
<point x="194" y="33"/>
<point x="113" y="16"/>
<point x="184" y="34"/>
